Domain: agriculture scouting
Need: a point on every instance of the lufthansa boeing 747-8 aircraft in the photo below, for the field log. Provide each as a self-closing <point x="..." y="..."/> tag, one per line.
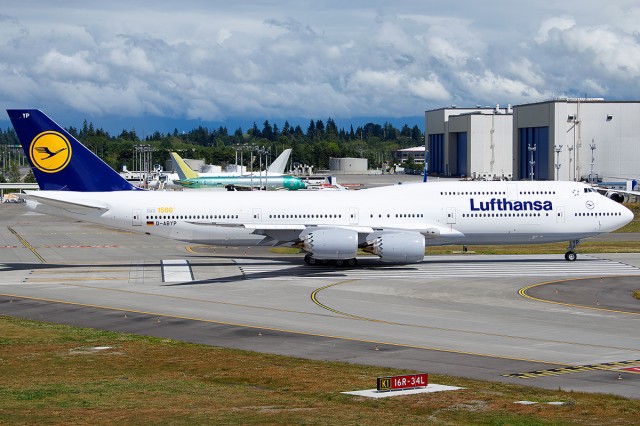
<point x="393" y="222"/>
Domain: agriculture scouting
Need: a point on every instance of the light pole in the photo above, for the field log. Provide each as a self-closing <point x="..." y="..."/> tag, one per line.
<point x="593" y="148"/>
<point x="532" y="149"/>
<point x="570" y="148"/>
<point x="558" y="149"/>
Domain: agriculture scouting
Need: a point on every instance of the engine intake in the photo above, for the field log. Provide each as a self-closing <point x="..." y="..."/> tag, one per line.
<point x="397" y="247"/>
<point x="330" y="243"/>
<point x="616" y="196"/>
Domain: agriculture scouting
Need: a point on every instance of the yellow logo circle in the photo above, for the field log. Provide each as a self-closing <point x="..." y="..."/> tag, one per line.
<point x="50" y="152"/>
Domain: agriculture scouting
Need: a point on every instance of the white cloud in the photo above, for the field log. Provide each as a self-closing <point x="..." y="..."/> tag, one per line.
<point x="290" y="59"/>
<point x="79" y="66"/>
<point x="553" y="25"/>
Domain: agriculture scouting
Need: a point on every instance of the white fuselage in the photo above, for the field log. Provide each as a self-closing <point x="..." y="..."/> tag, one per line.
<point x="445" y="212"/>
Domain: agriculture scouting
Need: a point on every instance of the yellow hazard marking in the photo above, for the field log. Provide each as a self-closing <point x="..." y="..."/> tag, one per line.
<point x="26" y="244"/>
<point x="605" y="366"/>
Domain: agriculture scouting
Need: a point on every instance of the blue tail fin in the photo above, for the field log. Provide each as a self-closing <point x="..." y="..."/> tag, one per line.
<point x="58" y="160"/>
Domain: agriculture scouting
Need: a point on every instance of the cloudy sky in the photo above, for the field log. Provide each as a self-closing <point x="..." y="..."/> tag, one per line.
<point x="213" y="62"/>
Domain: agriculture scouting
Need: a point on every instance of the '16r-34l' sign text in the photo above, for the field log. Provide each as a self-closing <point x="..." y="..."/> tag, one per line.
<point x="402" y="382"/>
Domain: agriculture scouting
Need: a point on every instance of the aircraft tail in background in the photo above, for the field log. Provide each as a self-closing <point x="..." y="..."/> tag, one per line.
<point x="279" y="164"/>
<point x="181" y="167"/>
<point x="58" y="160"/>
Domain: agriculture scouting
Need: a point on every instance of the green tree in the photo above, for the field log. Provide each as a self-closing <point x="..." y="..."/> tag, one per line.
<point x="14" y="173"/>
<point x="29" y="178"/>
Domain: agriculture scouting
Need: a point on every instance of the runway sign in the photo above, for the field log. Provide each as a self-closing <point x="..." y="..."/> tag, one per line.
<point x="409" y="381"/>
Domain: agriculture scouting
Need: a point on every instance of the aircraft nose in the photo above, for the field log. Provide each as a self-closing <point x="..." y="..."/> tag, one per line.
<point x="627" y="215"/>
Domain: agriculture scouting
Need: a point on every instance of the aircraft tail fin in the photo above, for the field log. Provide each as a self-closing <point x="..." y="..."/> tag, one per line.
<point x="58" y="160"/>
<point x="280" y="164"/>
<point x="183" y="170"/>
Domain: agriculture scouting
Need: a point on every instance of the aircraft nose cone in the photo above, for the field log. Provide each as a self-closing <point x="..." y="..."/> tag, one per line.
<point x="627" y="215"/>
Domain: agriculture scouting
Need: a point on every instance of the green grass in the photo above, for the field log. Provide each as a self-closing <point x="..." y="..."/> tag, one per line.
<point x="50" y="375"/>
<point x="634" y="225"/>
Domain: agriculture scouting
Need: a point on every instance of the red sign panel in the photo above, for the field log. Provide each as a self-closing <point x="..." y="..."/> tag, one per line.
<point x="632" y="369"/>
<point x="403" y="382"/>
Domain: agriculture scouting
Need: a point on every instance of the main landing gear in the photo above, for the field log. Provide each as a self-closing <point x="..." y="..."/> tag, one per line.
<point x="571" y="255"/>
<point x="310" y="260"/>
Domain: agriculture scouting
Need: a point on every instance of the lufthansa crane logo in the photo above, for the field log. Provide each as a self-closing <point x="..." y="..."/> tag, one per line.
<point x="50" y="152"/>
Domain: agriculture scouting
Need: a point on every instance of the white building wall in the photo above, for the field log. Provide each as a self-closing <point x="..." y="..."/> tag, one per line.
<point x="491" y="148"/>
<point x="574" y="125"/>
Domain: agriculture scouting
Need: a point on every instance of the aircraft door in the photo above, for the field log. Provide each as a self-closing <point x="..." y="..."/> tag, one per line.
<point x="560" y="215"/>
<point x="512" y="192"/>
<point x="257" y="215"/>
<point x="136" y="217"/>
<point x="451" y="215"/>
<point x="353" y="216"/>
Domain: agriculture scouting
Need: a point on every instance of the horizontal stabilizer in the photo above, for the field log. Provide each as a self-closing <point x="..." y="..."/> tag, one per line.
<point x="86" y="207"/>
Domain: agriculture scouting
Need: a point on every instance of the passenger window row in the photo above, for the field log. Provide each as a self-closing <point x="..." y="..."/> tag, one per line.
<point x="598" y="214"/>
<point x="503" y="214"/>
<point x="305" y="216"/>
<point x="398" y="215"/>
<point x="187" y="217"/>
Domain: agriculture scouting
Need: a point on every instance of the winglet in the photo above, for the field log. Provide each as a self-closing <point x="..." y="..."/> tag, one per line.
<point x="184" y="171"/>
<point x="58" y="160"/>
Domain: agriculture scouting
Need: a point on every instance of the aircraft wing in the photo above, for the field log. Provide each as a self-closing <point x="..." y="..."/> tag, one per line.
<point x="624" y="191"/>
<point x="86" y="207"/>
<point x="289" y="232"/>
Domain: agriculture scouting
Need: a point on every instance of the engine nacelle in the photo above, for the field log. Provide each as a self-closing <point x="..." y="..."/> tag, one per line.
<point x="330" y="243"/>
<point x="616" y="196"/>
<point x="397" y="247"/>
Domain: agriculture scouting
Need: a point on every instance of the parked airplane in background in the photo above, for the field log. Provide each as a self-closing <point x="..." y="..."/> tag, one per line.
<point x="167" y="180"/>
<point x="393" y="222"/>
<point x="191" y="179"/>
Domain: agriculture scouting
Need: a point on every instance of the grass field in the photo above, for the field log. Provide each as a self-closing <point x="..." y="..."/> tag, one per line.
<point x="51" y="374"/>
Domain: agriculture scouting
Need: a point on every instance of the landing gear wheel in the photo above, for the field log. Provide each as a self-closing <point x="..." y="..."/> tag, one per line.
<point x="310" y="260"/>
<point x="570" y="256"/>
<point x="352" y="262"/>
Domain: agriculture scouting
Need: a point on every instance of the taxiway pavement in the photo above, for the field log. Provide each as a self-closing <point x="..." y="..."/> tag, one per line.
<point x="534" y="320"/>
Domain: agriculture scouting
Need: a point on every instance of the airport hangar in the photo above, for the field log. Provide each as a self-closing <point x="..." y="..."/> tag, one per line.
<point x="587" y="139"/>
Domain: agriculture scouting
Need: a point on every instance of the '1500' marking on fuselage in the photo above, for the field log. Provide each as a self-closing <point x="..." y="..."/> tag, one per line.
<point x="505" y="205"/>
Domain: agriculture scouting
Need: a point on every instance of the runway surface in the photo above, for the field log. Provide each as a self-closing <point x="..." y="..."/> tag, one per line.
<point x="535" y="320"/>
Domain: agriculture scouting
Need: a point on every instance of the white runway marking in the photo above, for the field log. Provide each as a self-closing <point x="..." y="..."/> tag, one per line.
<point x="176" y="271"/>
<point x="447" y="267"/>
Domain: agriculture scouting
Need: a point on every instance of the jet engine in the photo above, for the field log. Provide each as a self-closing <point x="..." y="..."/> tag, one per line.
<point x="615" y="196"/>
<point x="330" y="243"/>
<point x="396" y="247"/>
